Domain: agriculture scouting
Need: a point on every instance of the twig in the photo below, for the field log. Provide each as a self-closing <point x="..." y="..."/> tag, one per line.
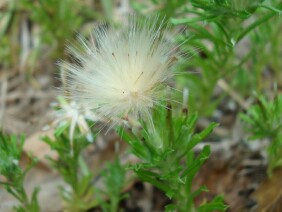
<point x="3" y="94"/>
<point x="222" y="84"/>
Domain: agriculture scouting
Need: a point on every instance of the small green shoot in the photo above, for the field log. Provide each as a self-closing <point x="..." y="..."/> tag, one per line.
<point x="264" y="121"/>
<point x="114" y="182"/>
<point x="11" y="151"/>
<point x="71" y="166"/>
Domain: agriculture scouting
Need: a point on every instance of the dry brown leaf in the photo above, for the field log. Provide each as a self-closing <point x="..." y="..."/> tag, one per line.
<point x="269" y="193"/>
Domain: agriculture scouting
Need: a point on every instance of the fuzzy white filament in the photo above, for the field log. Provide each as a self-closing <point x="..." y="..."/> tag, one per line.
<point x="124" y="72"/>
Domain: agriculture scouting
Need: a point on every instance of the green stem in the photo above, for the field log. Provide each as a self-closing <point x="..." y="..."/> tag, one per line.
<point x="14" y="192"/>
<point x="169" y="124"/>
<point x="255" y="24"/>
<point x="114" y="205"/>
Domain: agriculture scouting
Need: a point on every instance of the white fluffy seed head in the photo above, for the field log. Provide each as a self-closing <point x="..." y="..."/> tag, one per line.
<point x="121" y="73"/>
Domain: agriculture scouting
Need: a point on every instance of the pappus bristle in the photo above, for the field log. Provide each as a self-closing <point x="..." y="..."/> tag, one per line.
<point x="122" y="73"/>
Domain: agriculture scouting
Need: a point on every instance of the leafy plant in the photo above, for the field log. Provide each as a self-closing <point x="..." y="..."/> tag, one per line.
<point x="215" y="31"/>
<point x="113" y="181"/>
<point x="11" y="151"/>
<point x="71" y="166"/>
<point x="264" y="121"/>
<point x="168" y="160"/>
<point x="7" y="34"/>
<point x="165" y="8"/>
<point x="216" y="28"/>
<point x="58" y="21"/>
